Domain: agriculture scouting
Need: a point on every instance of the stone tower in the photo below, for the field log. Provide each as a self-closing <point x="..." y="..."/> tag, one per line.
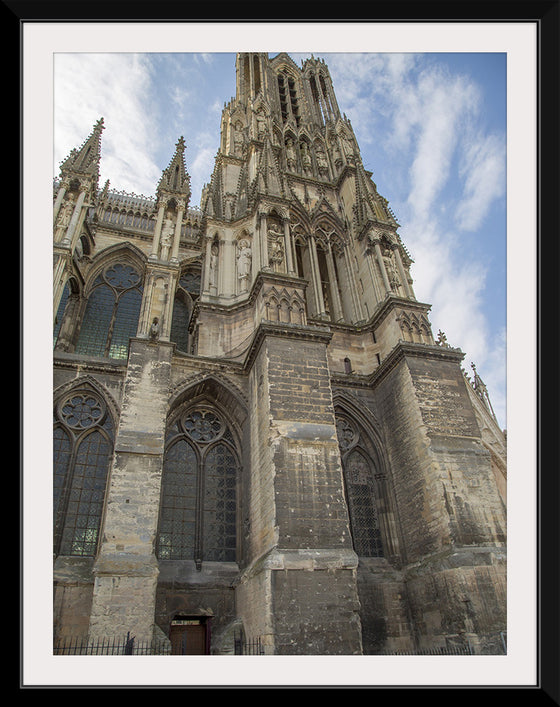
<point x="256" y="434"/>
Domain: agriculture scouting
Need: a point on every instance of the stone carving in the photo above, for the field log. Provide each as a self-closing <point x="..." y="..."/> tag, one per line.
<point x="154" y="330"/>
<point x="244" y="258"/>
<point x="290" y="155"/>
<point x="305" y="158"/>
<point x="322" y="165"/>
<point x="275" y="246"/>
<point x="238" y="141"/>
<point x="262" y="127"/>
<point x="166" y="238"/>
<point x="213" y="276"/>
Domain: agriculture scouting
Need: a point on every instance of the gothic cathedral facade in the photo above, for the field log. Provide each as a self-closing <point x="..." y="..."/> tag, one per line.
<point x="255" y="432"/>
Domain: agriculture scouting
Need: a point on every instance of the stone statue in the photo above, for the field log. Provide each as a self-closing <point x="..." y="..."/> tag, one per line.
<point x="321" y="161"/>
<point x="244" y="257"/>
<point x="290" y="155"/>
<point x="237" y="140"/>
<point x="154" y="330"/>
<point x="214" y="265"/>
<point x="261" y="124"/>
<point x="166" y="237"/>
<point x="275" y="246"/>
<point x="305" y="158"/>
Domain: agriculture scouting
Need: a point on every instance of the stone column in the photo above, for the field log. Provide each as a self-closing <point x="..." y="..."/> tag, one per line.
<point x="256" y="247"/>
<point x="401" y="270"/>
<point x="263" y="238"/>
<point x="381" y="264"/>
<point x="358" y="312"/>
<point x="288" y="246"/>
<point x="370" y="259"/>
<point x="316" y="276"/>
<point x="126" y="569"/>
<point x="74" y="221"/>
<point x="301" y="559"/>
<point x="177" y="234"/>
<point x="333" y="282"/>
<point x="59" y="197"/>
<point x="208" y="255"/>
<point x="157" y="230"/>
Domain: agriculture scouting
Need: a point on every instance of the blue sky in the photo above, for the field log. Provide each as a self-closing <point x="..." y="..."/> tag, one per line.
<point x="431" y="129"/>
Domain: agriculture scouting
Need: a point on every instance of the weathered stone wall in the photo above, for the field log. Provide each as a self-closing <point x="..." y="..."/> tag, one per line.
<point x="296" y="484"/>
<point x="316" y="612"/>
<point x="384" y="609"/>
<point x="73" y="591"/>
<point x="183" y="590"/>
<point x="126" y="568"/>
<point x="451" y="518"/>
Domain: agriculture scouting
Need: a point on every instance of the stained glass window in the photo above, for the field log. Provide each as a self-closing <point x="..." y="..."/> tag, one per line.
<point x="83" y="443"/>
<point x="360" y="490"/>
<point x="187" y="293"/>
<point x="112" y="313"/>
<point x="60" y="312"/>
<point x="361" y="501"/>
<point x="180" y="324"/>
<point x="198" y="516"/>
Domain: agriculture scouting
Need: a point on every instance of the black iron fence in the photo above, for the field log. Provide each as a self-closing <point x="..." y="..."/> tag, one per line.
<point x="243" y="646"/>
<point x="128" y="645"/>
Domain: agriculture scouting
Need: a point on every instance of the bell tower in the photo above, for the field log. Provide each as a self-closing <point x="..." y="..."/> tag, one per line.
<point x="307" y="284"/>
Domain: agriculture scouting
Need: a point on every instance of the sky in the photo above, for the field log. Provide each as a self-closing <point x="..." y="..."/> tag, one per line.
<point x="431" y="128"/>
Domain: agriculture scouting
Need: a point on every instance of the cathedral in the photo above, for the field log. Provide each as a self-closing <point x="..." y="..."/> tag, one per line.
<point x="258" y="440"/>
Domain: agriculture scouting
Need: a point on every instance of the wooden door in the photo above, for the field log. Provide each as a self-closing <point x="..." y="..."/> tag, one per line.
<point x="188" y="637"/>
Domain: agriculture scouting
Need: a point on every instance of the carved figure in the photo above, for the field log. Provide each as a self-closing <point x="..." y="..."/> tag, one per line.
<point x="238" y="139"/>
<point x="244" y="258"/>
<point x="276" y="246"/>
<point x="290" y="155"/>
<point x="214" y="265"/>
<point x="261" y="124"/>
<point x="154" y="330"/>
<point x="166" y="238"/>
<point x="305" y="158"/>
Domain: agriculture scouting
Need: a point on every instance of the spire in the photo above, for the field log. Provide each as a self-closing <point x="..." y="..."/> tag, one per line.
<point x="85" y="159"/>
<point x="175" y="179"/>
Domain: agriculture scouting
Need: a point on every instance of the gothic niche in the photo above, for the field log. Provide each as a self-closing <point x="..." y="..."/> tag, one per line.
<point x="371" y="506"/>
<point x="244" y="258"/>
<point x="291" y="157"/>
<point x="276" y="245"/>
<point x="320" y="156"/>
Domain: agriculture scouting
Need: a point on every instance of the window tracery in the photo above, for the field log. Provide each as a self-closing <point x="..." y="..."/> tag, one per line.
<point x="198" y="516"/>
<point x="82" y="445"/>
<point x="112" y="312"/>
<point x="360" y="486"/>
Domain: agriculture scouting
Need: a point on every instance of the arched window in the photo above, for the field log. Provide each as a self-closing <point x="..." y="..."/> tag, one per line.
<point x="83" y="445"/>
<point x="360" y="487"/>
<point x="199" y="490"/>
<point x="186" y="294"/>
<point x="112" y="312"/>
<point x="60" y="312"/>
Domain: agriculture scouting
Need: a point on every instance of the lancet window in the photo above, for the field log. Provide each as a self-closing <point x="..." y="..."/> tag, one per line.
<point x="198" y="515"/>
<point x="361" y="490"/>
<point x="112" y="312"/>
<point x="288" y="97"/>
<point x="188" y="291"/>
<point x="83" y="445"/>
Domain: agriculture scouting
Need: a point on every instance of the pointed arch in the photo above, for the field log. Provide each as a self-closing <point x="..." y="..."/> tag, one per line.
<point x="112" y="303"/>
<point x="199" y="507"/>
<point x="368" y="481"/>
<point x="83" y="436"/>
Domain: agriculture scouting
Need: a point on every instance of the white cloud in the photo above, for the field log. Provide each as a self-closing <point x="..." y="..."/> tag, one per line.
<point x="483" y="170"/>
<point x="425" y="124"/>
<point x="116" y="87"/>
